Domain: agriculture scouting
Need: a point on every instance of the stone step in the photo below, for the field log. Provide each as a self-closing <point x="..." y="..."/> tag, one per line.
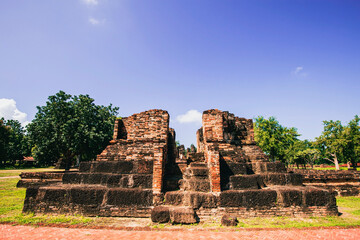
<point x="282" y="196"/>
<point x="270" y="179"/>
<point x="195" y="178"/>
<point x="198" y="164"/>
<point x="126" y="167"/>
<point x="109" y="179"/>
<point x="235" y="168"/>
<point x="90" y="201"/>
<point x="257" y="181"/>
<point x="192" y="199"/>
<point x="196" y="157"/>
<point x="238" y="182"/>
<point x="268" y="167"/>
<point x="200" y="185"/>
<point x="197" y="171"/>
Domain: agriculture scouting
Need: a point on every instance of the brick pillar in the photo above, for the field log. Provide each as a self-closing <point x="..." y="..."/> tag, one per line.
<point x="158" y="169"/>
<point x="212" y="158"/>
<point x="214" y="166"/>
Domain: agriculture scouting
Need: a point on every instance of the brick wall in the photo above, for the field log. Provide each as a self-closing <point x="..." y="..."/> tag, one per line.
<point x="343" y="183"/>
<point x="151" y="125"/>
<point x="143" y="136"/>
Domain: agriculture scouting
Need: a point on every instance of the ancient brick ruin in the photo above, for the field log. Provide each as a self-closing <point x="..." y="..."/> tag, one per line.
<point x="342" y="183"/>
<point x="142" y="173"/>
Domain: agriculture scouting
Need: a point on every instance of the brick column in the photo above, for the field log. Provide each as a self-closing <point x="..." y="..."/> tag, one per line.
<point x="214" y="166"/>
<point x="212" y="158"/>
<point x="158" y="169"/>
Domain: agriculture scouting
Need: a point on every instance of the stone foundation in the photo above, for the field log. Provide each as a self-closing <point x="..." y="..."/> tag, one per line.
<point x="342" y="183"/>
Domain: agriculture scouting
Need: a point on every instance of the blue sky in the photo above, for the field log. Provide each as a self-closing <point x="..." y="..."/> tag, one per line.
<point x="296" y="60"/>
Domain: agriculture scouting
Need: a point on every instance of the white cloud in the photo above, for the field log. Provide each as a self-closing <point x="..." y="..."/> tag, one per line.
<point x="191" y="116"/>
<point x="95" y="21"/>
<point x="91" y="2"/>
<point x="299" y="71"/>
<point x="8" y="110"/>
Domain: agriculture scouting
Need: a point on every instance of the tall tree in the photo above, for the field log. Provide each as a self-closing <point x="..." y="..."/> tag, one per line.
<point x="292" y="153"/>
<point x="4" y="141"/>
<point x="274" y="138"/>
<point x="69" y="126"/>
<point x="332" y="142"/>
<point x="18" y="143"/>
<point x="302" y="152"/>
<point x="352" y="135"/>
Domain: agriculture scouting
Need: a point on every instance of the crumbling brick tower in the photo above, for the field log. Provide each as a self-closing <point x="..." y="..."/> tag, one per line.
<point x="230" y="174"/>
<point x="125" y="179"/>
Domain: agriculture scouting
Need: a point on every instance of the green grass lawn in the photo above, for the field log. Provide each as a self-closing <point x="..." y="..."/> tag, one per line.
<point x="333" y="168"/>
<point x="16" y="172"/>
<point x="325" y="168"/>
<point x="12" y="199"/>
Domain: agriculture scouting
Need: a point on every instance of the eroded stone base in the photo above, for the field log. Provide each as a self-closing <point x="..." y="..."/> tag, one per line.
<point x="89" y="201"/>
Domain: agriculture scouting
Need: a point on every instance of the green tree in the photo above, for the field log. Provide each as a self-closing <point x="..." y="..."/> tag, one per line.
<point x="18" y="143"/>
<point x="309" y="156"/>
<point x="302" y="152"/>
<point x="4" y="141"/>
<point x="332" y="142"/>
<point x="273" y="138"/>
<point x="352" y="135"/>
<point x="292" y="155"/>
<point x="70" y="126"/>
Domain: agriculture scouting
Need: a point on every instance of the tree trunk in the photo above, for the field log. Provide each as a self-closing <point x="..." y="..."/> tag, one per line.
<point x="67" y="164"/>
<point x="337" y="167"/>
<point x="60" y="164"/>
<point x="77" y="160"/>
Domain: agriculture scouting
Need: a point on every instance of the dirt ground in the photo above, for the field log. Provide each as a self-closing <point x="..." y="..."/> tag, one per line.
<point x="41" y="233"/>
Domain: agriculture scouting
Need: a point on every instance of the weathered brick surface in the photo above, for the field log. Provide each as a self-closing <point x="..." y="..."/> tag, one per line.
<point x="37" y="179"/>
<point x="248" y="198"/>
<point x="160" y="214"/>
<point x="287" y="197"/>
<point x="343" y="183"/>
<point x="270" y="179"/>
<point x="129" y="197"/>
<point x="123" y="180"/>
<point x="182" y="215"/>
<point x="245" y="182"/>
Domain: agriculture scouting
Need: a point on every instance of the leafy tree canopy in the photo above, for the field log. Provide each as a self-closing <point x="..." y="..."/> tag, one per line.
<point x="4" y="141"/>
<point x="340" y="143"/>
<point x="69" y="126"/>
<point x="273" y="138"/>
<point x="17" y="144"/>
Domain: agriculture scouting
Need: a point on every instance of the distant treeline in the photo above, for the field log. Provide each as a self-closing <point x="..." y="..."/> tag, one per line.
<point x="337" y="143"/>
